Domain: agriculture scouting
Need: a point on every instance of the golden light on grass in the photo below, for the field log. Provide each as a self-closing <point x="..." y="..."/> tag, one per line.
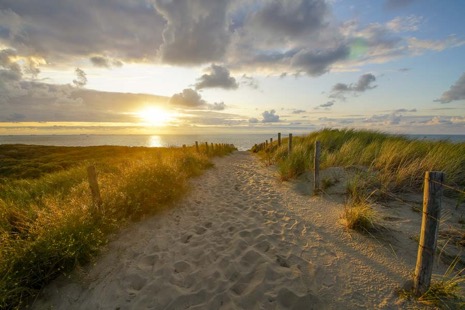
<point x="156" y="116"/>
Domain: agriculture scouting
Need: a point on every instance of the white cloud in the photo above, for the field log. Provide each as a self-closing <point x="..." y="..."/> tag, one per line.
<point x="407" y="23"/>
<point x="419" y="46"/>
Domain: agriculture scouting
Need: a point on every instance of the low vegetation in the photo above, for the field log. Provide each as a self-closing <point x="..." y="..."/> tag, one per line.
<point x="48" y="223"/>
<point x="399" y="163"/>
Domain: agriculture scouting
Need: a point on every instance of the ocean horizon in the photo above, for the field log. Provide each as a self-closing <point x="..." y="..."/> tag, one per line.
<point x="242" y="141"/>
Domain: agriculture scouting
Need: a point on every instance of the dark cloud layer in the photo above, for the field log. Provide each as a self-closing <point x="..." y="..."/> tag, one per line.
<point x="291" y="18"/>
<point x="455" y="92"/>
<point x="299" y="36"/>
<point x="196" y="31"/>
<point x="218" y="77"/>
<point x="59" y="30"/>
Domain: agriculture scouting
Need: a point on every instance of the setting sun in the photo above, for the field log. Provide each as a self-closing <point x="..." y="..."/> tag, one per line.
<point x="155" y="116"/>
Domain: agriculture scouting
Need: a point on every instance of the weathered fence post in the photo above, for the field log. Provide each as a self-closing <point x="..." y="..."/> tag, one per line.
<point x="289" y="147"/>
<point x="432" y="196"/>
<point x="94" y="189"/>
<point x="279" y="139"/>
<point x="213" y="147"/>
<point x="266" y="144"/>
<point x="271" y="141"/>
<point x="183" y="146"/>
<point x="206" y="147"/>
<point x="197" y="146"/>
<point x="316" y="166"/>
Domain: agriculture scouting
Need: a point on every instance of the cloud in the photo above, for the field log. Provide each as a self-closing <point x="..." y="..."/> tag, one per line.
<point x="270" y="117"/>
<point x="188" y="98"/>
<point x="104" y="62"/>
<point x="196" y="31"/>
<point x="407" y="23"/>
<point x="218" y="77"/>
<point x="386" y="119"/>
<point x="217" y="106"/>
<point x="249" y="81"/>
<point x="326" y="105"/>
<point x="419" y="46"/>
<point x="315" y="63"/>
<point x="455" y="92"/>
<point x="60" y="31"/>
<point x="405" y="110"/>
<point x="363" y="84"/>
<point x="298" y="111"/>
<point x="253" y="120"/>
<point x="81" y="78"/>
<point x="291" y="18"/>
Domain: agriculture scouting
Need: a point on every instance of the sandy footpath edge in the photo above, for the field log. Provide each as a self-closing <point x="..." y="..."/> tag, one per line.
<point x="240" y="240"/>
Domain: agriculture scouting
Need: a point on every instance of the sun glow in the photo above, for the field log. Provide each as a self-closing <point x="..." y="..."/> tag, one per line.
<point x="155" y="116"/>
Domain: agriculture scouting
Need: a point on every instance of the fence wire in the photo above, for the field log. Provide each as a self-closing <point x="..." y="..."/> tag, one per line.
<point x="449" y="187"/>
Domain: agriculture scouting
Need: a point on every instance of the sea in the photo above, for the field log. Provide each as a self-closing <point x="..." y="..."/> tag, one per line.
<point x="242" y="141"/>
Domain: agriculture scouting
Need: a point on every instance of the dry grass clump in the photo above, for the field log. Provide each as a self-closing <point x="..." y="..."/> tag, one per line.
<point x="358" y="213"/>
<point x="445" y="291"/>
<point x="48" y="224"/>
<point x="359" y="216"/>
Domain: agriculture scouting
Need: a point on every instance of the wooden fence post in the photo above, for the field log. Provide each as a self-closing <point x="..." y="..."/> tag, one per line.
<point x="266" y="144"/>
<point x="206" y="147"/>
<point x="197" y="146"/>
<point x="432" y="196"/>
<point x="289" y="147"/>
<point x="271" y="141"/>
<point x="279" y="139"/>
<point x="94" y="188"/>
<point x="316" y="166"/>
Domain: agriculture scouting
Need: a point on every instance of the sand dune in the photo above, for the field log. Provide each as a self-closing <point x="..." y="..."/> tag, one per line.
<point x="239" y="240"/>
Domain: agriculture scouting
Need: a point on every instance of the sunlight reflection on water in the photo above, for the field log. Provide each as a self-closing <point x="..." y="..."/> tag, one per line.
<point x="155" y="141"/>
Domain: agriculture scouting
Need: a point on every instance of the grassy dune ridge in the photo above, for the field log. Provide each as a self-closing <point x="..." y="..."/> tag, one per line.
<point x="381" y="168"/>
<point x="399" y="163"/>
<point x="48" y="225"/>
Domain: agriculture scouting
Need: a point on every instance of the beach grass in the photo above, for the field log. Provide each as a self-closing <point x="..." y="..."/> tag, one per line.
<point x="398" y="162"/>
<point x="48" y="224"/>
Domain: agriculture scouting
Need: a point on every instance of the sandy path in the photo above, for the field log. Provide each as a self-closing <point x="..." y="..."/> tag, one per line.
<point x="239" y="240"/>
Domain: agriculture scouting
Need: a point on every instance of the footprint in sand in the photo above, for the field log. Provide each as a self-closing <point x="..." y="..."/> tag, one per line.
<point x="200" y="230"/>
<point x="282" y="261"/>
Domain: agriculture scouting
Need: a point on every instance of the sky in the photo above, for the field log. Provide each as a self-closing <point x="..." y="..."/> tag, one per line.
<point x="225" y="66"/>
